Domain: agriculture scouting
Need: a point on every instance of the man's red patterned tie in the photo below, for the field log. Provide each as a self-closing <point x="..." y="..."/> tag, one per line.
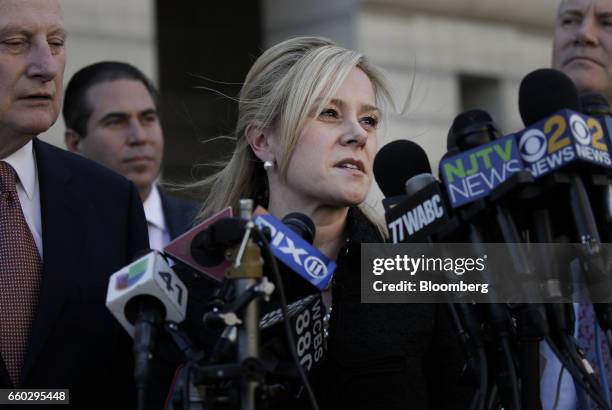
<point x="20" y="276"/>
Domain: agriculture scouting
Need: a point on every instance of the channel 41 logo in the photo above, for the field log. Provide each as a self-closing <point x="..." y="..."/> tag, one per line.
<point x="561" y="139"/>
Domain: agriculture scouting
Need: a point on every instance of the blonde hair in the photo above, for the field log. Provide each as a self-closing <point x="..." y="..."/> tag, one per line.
<point x="286" y="84"/>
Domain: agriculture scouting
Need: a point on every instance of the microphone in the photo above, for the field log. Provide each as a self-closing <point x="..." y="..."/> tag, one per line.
<point x="597" y="106"/>
<point x="562" y="139"/>
<point x="419" y="209"/>
<point x="142" y="296"/>
<point x="476" y="137"/>
<point x="307" y="327"/>
<point x="391" y="181"/>
<point x="412" y="158"/>
<point x="147" y="281"/>
<point x="302" y="225"/>
<point x="475" y="134"/>
<point x="483" y="162"/>
<point x="557" y="137"/>
<point x="195" y="249"/>
<point x="289" y="244"/>
<point x="202" y="249"/>
<point x="402" y="170"/>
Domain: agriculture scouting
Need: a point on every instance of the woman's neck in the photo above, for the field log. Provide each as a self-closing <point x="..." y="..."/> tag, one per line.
<point x="329" y="221"/>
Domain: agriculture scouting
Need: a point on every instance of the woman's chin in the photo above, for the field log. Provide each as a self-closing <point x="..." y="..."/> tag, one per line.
<point x="353" y="198"/>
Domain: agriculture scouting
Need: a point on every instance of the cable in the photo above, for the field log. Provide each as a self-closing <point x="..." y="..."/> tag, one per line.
<point x="574" y="372"/>
<point x="475" y="400"/>
<point x="464" y="338"/>
<point x="608" y="335"/>
<point x="172" y="386"/>
<point x="594" y="388"/>
<point x="283" y="300"/>
<point x="585" y="380"/>
<point x="482" y="357"/>
<point x="506" y="349"/>
<point x="558" y="390"/>
<point x="492" y="398"/>
<point x="603" y="377"/>
<point x="141" y="394"/>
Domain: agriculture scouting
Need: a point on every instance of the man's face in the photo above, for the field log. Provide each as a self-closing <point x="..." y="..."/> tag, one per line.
<point x="32" y="60"/>
<point x="123" y="131"/>
<point x="583" y="44"/>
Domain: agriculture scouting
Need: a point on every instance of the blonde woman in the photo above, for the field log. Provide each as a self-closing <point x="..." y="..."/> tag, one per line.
<point x="308" y="123"/>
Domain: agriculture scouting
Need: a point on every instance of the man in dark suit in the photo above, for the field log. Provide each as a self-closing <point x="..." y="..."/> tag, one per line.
<point x="66" y="224"/>
<point x="111" y="111"/>
<point x="582" y="49"/>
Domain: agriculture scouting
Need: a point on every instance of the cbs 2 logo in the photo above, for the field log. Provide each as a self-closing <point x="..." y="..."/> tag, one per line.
<point x="534" y="143"/>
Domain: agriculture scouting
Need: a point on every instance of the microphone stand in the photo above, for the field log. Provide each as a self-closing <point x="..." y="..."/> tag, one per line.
<point x="241" y="320"/>
<point x="237" y="309"/>
<point x="530" y="318"/>
<point x="558" y="185"/>
<point x="246" y="272"/>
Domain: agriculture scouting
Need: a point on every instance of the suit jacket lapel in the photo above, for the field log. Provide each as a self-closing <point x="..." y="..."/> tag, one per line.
<point x="178" y="215"/>
<point x="64" y="222"/>
<point x="169" y="215"/>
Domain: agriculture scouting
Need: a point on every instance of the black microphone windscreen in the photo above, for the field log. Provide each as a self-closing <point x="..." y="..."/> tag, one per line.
<point x="469" y="118"/>
<point x="301" y="224"/>
<point x="471" y="129"/>
<point x="544" y="92"/>
<point x="594" y="104"/>
<point x="397" y="162"/>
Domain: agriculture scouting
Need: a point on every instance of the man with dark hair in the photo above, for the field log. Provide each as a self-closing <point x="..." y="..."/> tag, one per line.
<point x="66" y="224"/>
<point x="111" y="112"/>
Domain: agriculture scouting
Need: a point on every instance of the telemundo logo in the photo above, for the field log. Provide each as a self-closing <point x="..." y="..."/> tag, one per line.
<point x="133" y="275"/>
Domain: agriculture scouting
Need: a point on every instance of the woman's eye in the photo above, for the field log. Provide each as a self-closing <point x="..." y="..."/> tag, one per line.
<point x="370" y="121"/>
<point x="329" y="113"/>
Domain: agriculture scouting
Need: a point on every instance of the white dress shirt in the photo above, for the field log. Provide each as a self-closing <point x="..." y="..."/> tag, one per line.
<point x="24" y="164"/>
<point x="159" y="236"/>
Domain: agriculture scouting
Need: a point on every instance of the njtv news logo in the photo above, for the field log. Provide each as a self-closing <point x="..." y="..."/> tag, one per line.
<point x="473" y="174"/>
<point x="560" y="139"/>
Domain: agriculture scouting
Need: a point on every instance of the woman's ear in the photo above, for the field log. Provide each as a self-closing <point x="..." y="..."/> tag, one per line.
<point x="261" y="142"/>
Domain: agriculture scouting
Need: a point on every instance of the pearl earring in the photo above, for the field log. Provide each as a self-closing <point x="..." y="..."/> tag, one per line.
<point x="268" y="165"/>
